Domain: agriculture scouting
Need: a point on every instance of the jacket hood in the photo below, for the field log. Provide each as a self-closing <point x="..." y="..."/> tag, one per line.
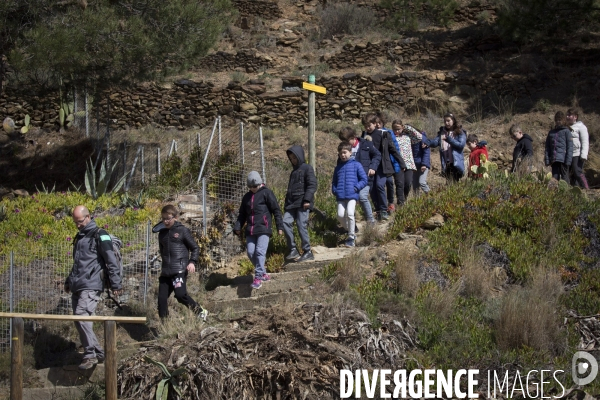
<point x="481" y="144"/>
<point x="298" y="151"/>
<point x="577" y="124"/>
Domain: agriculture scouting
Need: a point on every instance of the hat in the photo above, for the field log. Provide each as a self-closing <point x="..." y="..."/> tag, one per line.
<point x="254" y="179"/>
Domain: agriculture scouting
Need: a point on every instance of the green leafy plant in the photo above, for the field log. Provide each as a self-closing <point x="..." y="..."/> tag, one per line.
<point x="485" y="167"/>
<point x="26" y="122"/>
<point x="65" y="114"/>
<point x="137" y="202"/>
<point x="169" y="380"/>
<point x="45" y="189"/>
<point x="96" y="188"/>
<point x="3" y="213"/>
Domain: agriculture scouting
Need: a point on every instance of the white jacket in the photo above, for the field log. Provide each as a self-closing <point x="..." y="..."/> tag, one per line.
<point x="581" y="140"/>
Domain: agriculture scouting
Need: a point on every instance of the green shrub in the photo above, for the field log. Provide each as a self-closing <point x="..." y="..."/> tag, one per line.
<point x="345" y="19"/>
<point x="511" y="214"/>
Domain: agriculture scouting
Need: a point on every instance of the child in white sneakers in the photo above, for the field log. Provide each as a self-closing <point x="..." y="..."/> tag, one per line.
<point x="256" y="211"/>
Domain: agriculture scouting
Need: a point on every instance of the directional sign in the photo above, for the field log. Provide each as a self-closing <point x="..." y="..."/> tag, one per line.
<point x="314" y="88"/>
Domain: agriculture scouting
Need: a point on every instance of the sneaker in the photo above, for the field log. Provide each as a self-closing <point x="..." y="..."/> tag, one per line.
<point x="349" y="243"/>
<point x="265" y="278"/>
<point x="203" y="314"/>
<point x="391" y="208"/>
<point x="88" y="363"/>
<point x="256" y="283"/>
<point x="308" y="255"/>
<point x="293" y="255"/>
<point x="384" y="216"/>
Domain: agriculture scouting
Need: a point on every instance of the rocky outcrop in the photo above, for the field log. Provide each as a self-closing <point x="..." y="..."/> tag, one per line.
<point x="262" y="8"/>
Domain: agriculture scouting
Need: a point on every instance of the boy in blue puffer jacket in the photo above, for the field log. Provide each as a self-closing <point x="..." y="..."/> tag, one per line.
<point x="348" y="179"/>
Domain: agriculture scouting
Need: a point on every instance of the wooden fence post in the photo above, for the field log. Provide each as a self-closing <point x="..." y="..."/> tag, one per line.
<point x="110" y="362"/>
<point x="16" y="360"/>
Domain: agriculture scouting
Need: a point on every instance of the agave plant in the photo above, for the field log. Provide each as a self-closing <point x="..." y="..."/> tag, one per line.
<point x="96" y="188"/>
<point x="138" y="201"/>
<point x="25" y="127"/>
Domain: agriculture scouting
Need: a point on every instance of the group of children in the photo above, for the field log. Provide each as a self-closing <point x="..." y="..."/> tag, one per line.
<point x="368" y="164"/>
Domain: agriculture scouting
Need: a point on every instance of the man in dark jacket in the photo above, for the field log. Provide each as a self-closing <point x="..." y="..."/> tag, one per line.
<point x="92" y="248"/>
<point x="523" y="151"/>
<point x="369" y="157"/>
<point x="299" y="200"/>
<point x="175" y="243"/>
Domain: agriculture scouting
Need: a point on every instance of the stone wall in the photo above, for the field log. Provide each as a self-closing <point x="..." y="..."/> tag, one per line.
<point x="246" y="60"/>
<point x="264" y="9"/>
<point x="190" y="103"/>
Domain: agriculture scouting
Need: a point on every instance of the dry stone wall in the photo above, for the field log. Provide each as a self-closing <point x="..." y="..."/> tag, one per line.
<point x="189" y="103"/>
<point x="263" y="9"/>
<point x="246" y="60"/>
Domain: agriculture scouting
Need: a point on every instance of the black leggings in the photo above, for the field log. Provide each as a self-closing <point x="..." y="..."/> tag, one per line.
<point x="577" y="170"/>
<point x="403" y="182"/>
<point x="560" y="171"/>
<point x="170" y="284"/>
<point x="452" y="173"/>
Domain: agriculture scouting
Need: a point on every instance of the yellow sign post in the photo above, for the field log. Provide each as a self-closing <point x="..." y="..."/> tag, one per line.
<point x="310" y="86"/>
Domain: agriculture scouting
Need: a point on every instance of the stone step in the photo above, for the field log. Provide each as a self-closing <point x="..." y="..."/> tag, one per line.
<point x="68" y="382"/>
<point x="283" y="282"/>
<point x="239" y="307"/>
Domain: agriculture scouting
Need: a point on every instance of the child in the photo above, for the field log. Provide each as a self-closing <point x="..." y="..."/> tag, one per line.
<point x="299" y="200"/>
<point x="393" y="178"/>
<point x="256" y="210"/>
<point x="451" y="140"/>
<point x="422" y="158"/>
<point x="383" y="143"/>
<point x="477" y="148"/>
<point x="349" y="179"/>
<point x="175" y="243"/>
<point x="559" y="148"/>
<point x="523" y="151"/>
<point x="406" y="136"/>
<point x="368" y="156"/>
<point x="581" y="146"/>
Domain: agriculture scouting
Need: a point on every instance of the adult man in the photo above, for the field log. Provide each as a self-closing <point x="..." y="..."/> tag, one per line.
<point x="581" y="146"/>
<point x="175" y="243"/>
<point x="92" y="249"/>
<point x="523" y="149"/>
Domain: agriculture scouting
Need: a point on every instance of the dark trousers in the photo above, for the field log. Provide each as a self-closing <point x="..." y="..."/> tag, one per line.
<point x="577" y="170"/>
<point x="378" y="191"/>
<point x="170" y="284"/>
<point x="403" y="182"/>
<point x="560" y="171"/>
<point x="452" y="173"/>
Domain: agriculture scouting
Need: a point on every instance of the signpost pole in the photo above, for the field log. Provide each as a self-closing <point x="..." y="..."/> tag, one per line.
<point x="312" y="152"/>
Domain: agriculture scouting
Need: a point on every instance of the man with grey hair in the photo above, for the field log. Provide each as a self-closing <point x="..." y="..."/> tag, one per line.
<point x="92" y="250"/>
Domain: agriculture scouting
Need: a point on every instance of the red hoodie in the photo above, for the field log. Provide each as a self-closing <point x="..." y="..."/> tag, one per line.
<point x="475" y="160"/>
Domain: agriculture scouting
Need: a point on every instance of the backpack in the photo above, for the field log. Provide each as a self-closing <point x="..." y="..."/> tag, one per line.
<point x="117" y="245"/>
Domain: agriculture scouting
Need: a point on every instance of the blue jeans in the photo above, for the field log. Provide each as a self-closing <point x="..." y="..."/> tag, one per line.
<point x="363" y="199"/>
<point x="420" y="180"/>
<point x="378" y="191"/>
<point x="300" y="215"/>
<point x="256" y="247"/>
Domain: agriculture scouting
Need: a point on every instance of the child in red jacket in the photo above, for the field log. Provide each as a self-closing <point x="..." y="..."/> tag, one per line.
<point x="477" y="149"/>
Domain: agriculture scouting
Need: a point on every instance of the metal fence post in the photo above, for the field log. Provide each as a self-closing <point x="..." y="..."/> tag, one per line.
<point x="207" y="150"/>
<point x="108" y="133"/>
<point x="75" y="108"/>
<point x="87" y="115"/>
<point x="262" y="155"/>
<point x="242" y="141"/>
<point x="219" y="119"/>
<point x="143" y="165"/>
<point x="204" y="218"/>
<point x="11" y="289"/>
<point x="173" y="144"/>
<point x="158" y="160"/>
<point x="147" y="261"/>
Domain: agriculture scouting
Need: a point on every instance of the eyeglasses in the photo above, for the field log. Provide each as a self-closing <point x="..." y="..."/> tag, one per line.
<point x="253" y="186"/>
<point x="167" y="219"/>
<point x="80" y="221"/>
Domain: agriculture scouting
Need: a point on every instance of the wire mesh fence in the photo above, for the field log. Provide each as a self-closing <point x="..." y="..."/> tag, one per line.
<point x="33" y="281"/>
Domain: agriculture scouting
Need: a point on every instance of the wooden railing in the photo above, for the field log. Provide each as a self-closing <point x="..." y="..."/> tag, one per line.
<point x="110" y="344"/>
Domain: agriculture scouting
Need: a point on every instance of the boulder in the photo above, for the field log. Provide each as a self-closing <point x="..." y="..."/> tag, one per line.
<point x="434" y="222"/>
